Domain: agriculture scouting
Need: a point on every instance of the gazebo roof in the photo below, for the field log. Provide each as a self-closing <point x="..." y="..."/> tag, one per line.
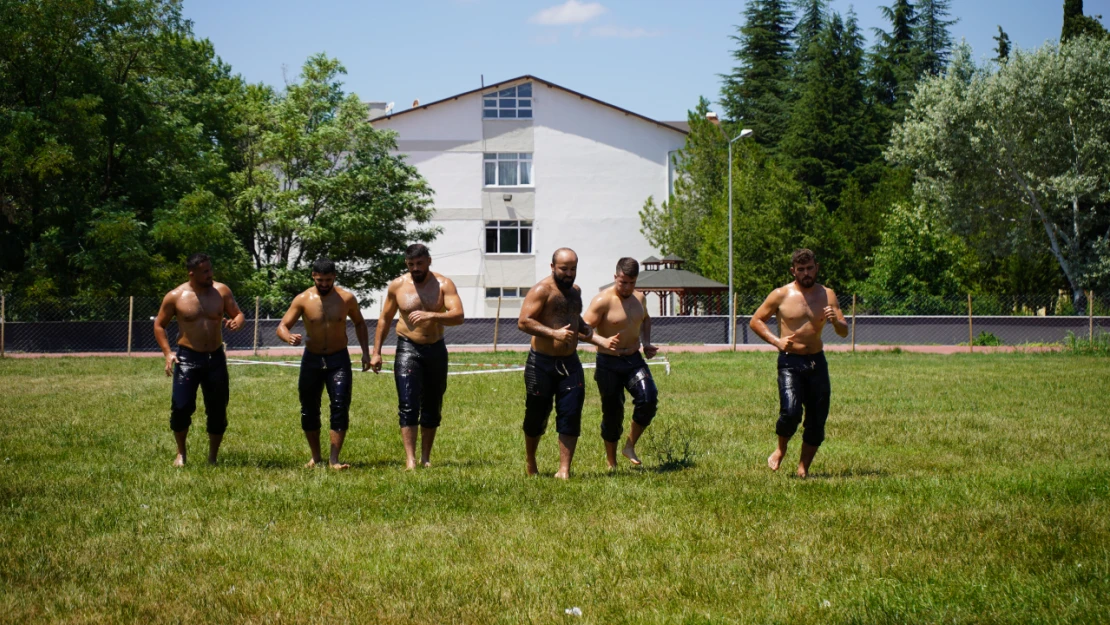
<point x="672" y="280"/>
<point x="673" y="257"/>
<point x="649" y="259"/>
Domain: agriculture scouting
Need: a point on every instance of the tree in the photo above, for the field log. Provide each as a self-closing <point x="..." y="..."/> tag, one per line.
<point x="812" y="18"/>
<point x="1002" y="49"/>
<point x="997" y="147"/>
<point x="921" y="266"/>
<point x="1076" y="24"/>
<point x="111" y="114"/>
<point x="673" y="226"/>
<point x="831" y="132"/>
<point x="319" y="181"/>
<point x="756" y="90"/>
<point x="934" y="39"/>
<point x="895" y="59"/>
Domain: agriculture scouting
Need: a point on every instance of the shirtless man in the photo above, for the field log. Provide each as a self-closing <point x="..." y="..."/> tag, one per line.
<point x="619" y="312"/>
<point x="420" y="363"/>
<point x="202" y="306"/>
<point x="552" y="314"/>
<point x="802" y="308"/>
<point x="326" y="362"/>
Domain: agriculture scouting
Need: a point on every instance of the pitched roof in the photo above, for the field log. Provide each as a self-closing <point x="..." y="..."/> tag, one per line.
<point x="495" y="86"/>
<point x="665" y="279"/>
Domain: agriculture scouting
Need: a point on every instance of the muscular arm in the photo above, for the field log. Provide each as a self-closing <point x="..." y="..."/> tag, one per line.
<point x="645" y="334"/>
<point x="165" y="314"/>
<point x="355" y="313"/>
<point x="453" y="316"/>
<point x="385" y="321"/>
<point x="284" y="329"/>
<point x="530" y="311"/>
<point x="835" y="316"/>
<point x="595" y="312"/>
<point x="763" y="314"/>
<point x="236" y="318"/>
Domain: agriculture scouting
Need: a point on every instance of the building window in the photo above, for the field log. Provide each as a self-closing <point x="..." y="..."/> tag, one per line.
<point x="507" y="169"/>
<point x="508" y="237"/>
<point x="507" y="292"/>
<point x="512" y="103"/>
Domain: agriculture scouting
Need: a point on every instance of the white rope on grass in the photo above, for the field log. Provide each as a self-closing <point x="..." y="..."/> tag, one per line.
<point x="501" y="368"/>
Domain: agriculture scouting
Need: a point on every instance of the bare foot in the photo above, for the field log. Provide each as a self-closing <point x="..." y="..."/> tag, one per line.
<point x="427" y="464"/>
<point x="179" y="461"/>
<point x="630" y="452"/>
<point x="530" y="468"/>
<point x="562" y="475"/>
<point x="339" y="466"/>
<point x="211" y="462"/>
<point x="410" y="465"/>
<point x="802" y="473"/>
<point x="312" y="464"/>
<point x="775" y="459"/>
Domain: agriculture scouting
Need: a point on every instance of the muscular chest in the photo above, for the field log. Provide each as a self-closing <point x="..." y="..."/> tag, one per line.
<point x="192" y="308"/>
<point x="564" y="308"/>
<point x="413" y="299"/>
<point x="328" y="309"/>
<point x="797" y="309"/>
<point x="628" y="313"/>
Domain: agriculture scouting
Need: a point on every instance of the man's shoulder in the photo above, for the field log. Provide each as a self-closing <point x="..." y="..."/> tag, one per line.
<point x="221" y="288"/>
<point x="396" y="283"/>
<point x="443" y="280"/>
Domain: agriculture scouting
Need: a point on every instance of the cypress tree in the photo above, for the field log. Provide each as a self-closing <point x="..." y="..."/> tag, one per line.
<point x="1076" y="24"/>
<point x="934" y="39"/>
<point x="895" y="58"/>
<point x="1002" y="50"/>
<point x="757" y="89"/>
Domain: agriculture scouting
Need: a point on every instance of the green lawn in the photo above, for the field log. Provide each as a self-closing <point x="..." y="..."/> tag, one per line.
<point x="951" y="489"/>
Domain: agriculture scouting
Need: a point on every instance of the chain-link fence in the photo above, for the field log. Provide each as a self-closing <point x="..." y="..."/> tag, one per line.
<point x="125" y="325"/>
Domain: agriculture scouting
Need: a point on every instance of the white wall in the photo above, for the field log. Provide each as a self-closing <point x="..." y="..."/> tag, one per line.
<point x="594" y="168"/>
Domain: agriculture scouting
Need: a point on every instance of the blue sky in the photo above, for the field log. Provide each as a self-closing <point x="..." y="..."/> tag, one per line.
<point x="654" y="57"/>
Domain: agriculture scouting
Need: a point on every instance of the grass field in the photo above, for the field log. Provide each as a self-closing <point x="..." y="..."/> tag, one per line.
<point x="951" y="489"/>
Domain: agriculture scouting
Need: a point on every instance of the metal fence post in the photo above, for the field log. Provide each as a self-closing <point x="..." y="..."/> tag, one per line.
<point x="970" y="331"/>
<point x="496" y="322"/>
<point x="130" y="321"/>
<point x="3" y="320"/>
<point x="732" y="328"/>
<point x="853" y="322"/>
<point x="257" y="301"/>
<point x="1091" y="316"/>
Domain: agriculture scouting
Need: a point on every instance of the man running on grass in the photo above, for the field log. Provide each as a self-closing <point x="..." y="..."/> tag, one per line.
<point x="620" y="312"/>
<point x="326" y="363"/>
<point x="552" y="315"/>
<point x="802" y="308"/>
<point x="428" y="301"/>
<point x="201" y="307"/>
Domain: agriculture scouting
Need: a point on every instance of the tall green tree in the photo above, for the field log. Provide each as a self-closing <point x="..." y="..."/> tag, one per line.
<point x="1076" y="24"/>
<point x="111" y="113"/>
<point x="321" y="181"/>
<point x="757" y="88"/>
<point x="933" y="34"/>
<point x="812" y="15"/>
<point x="895" y="59"/>
<point x="1002" y="46"/>
<point x="1027" y="140"/>
<point x="831" y="131"/>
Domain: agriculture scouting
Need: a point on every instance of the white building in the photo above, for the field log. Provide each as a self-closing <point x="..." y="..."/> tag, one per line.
<point x="523" y="167"/>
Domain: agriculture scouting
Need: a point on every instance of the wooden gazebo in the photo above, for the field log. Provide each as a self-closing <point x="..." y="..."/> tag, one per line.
<point x="692" y="294"/>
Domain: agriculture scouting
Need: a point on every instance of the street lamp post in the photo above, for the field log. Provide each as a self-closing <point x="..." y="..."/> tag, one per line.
<point x="746" y="132"/>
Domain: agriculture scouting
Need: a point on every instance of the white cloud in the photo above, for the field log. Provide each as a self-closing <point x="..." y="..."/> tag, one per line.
<point x="570" y="12"/>
<point x="622" y="32"/>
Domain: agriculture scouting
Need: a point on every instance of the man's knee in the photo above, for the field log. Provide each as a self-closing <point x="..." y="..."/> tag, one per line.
<point x="340" y="418"/>
<point x="645" y="398"/>
<point x="813" y="435"/>
<point x="181" y="417"/>
<point x="310" y="420"/>
<point x="217" y="422"/>
<point x="537" y="410"/>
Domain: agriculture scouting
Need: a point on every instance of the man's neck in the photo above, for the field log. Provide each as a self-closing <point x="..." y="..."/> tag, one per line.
<point x="805" y="289"/>
<point x="200" y="288"/>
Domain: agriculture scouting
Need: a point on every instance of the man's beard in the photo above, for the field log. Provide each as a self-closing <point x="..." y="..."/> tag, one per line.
<point x="564" y="284"/>
<point x="807" y="281"/>
<point x="419" y="276"/>
<point x="322" y="290"/>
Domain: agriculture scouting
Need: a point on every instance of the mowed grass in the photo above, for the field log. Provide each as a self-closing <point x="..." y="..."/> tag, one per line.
<point x="951" y="489"/>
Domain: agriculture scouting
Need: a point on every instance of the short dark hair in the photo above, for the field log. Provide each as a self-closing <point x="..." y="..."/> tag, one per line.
<point x="417" y="250"/>
<point x="196" y="260"/>
<point x="323" y="266"/>
<point x="802" y="256"/>
<point x="628" y="266"/>
<point x="563" y="249"/>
